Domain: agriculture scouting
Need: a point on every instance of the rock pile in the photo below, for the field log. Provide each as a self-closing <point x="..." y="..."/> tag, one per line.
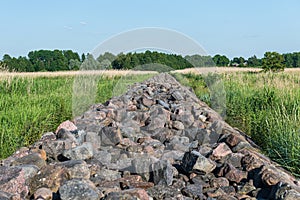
<point x="157" y="141"/>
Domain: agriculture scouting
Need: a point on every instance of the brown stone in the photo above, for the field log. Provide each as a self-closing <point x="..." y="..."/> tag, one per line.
<point x="221" y="151"/>
<point x="43" y="193"/>
<point x="233" y="174"/>
<point x="219" y="182"/>
<point x="50" y="176"/>
<point x="233" y="139"/>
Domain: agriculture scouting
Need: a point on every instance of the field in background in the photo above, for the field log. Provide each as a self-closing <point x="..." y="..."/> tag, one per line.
<point x="264" y="105"/>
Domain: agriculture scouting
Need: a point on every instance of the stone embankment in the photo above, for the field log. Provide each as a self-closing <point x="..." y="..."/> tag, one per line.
<point x="157" y="141"/>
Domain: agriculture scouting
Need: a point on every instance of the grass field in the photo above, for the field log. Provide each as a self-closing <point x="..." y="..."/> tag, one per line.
<point x="32" y="105"/>
<point x="265" y="106"/>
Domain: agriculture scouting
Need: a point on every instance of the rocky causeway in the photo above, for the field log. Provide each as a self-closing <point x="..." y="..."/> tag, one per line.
<point x="156" y="141"/>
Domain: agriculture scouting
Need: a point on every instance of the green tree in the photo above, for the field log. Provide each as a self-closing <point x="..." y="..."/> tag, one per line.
<point x="273" y="61"/>
<point x="253" y="61"/>
<point x="221" y="60"/>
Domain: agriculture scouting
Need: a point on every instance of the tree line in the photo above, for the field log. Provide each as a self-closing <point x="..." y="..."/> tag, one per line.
<point x="58" y="60"/>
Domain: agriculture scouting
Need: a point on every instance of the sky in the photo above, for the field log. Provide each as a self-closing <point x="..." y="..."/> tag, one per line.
<point x="233" y="27"/>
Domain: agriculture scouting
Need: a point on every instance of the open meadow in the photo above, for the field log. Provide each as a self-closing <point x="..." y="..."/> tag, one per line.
<point x="266" y="106"/>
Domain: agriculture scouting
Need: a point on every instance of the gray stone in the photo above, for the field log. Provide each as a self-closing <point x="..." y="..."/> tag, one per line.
<point x="82" y="152"/>
<point x="110" y="136"/>
<point x="78" y="190"/>
<point x="66" y="135"/>
<point x="31" y="159"/>
<point x="142" y="166"/>
<point x="107" y="175"/>
<point x="29" y="171"/>
<point x="12" y="180"/>
<point x="194" y="161"/>
<point x="163" y="172"/>
<point x="76" y="169"/>
<point x="103" y="156"/>
<point x="177" y="96"/>
<point x="194" y="191"/>
<point x="94" y="139"/>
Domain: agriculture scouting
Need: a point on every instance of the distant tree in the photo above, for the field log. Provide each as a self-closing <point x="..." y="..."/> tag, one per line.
<point x="82" y="57"/>
<point x="238" y="61"/>
<point x="90" y="63"/>
<point x="74" y="64"/>
<point x="221" y="60"/>
<point x="273" y="61"/>
<point x="106" y="56"/>
<point x="253" y="61"/>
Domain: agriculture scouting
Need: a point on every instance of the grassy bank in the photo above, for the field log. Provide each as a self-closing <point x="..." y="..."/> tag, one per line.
<point x="30" y="106"/>
<point x="267" y="107"/>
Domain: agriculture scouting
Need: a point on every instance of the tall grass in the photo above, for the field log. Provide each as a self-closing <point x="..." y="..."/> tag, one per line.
<point x="30" y="106"/>
<point x="267" y="107"/>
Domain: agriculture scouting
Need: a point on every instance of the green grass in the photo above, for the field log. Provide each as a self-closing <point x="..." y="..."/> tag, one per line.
<point x="267" y="107"/>
<point x="31" y="106"/>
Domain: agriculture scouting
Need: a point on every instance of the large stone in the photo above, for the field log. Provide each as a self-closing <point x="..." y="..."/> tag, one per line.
<point x="12" y="180"/>
<point x="76" y="169"/>
<point x="50" y="176"/>
<point x="110" y="136"/>
<point x="221" y="151"/>
<point x="78" y="190"/>
<point x="31" y="159"/>
<point x="68" y="125"/>
<point x="194" y="191"/>
<point x="82" y="152"/>
<point x="194" y="161"/>
<point x="43" y="193"/>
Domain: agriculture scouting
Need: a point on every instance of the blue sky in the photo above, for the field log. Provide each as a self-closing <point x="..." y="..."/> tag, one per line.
<point x="231" y="27"/>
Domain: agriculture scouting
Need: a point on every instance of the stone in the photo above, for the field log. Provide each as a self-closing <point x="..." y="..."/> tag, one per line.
<point x="164" y="192"/>
<point x="194" y="191"/>
<point x="147" y="101"/>
<point x="163" y="172"/>
<point x="219" y="182"/>
<point x="43" y="193"/>
<point x="141" y="166"/>
<point x="94" y="139"/>
<point x="55" y="148"/>
<point x="178" y="125"/>
<point x="12" y="180"/>
<point x="33" y="159"/>
<point x="130" y="194"/>
<point x="221" y="151"/>
<point x="233" y="139"/>
<point x="78" y="189"/>
<point x="194" y="161"/>
<point x="50" y="176"/>
<point x="177" y="95"/>
<point x="246" y="189"/>
<point x="64" y="134"/>
<point x="29" y="171"/>
<point x="76" y="169"/>
<point x="82" y="152"/>
<point x="103" y="156"/>
<point x="9" y="196"/>
<point x="107" y="175"/>
<point x="233" y="174"/>
<point x="110" y="136"/>
<point x="67" y="125"/>
<point x="235" y="159"/>
<point x="178" y="143"/>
